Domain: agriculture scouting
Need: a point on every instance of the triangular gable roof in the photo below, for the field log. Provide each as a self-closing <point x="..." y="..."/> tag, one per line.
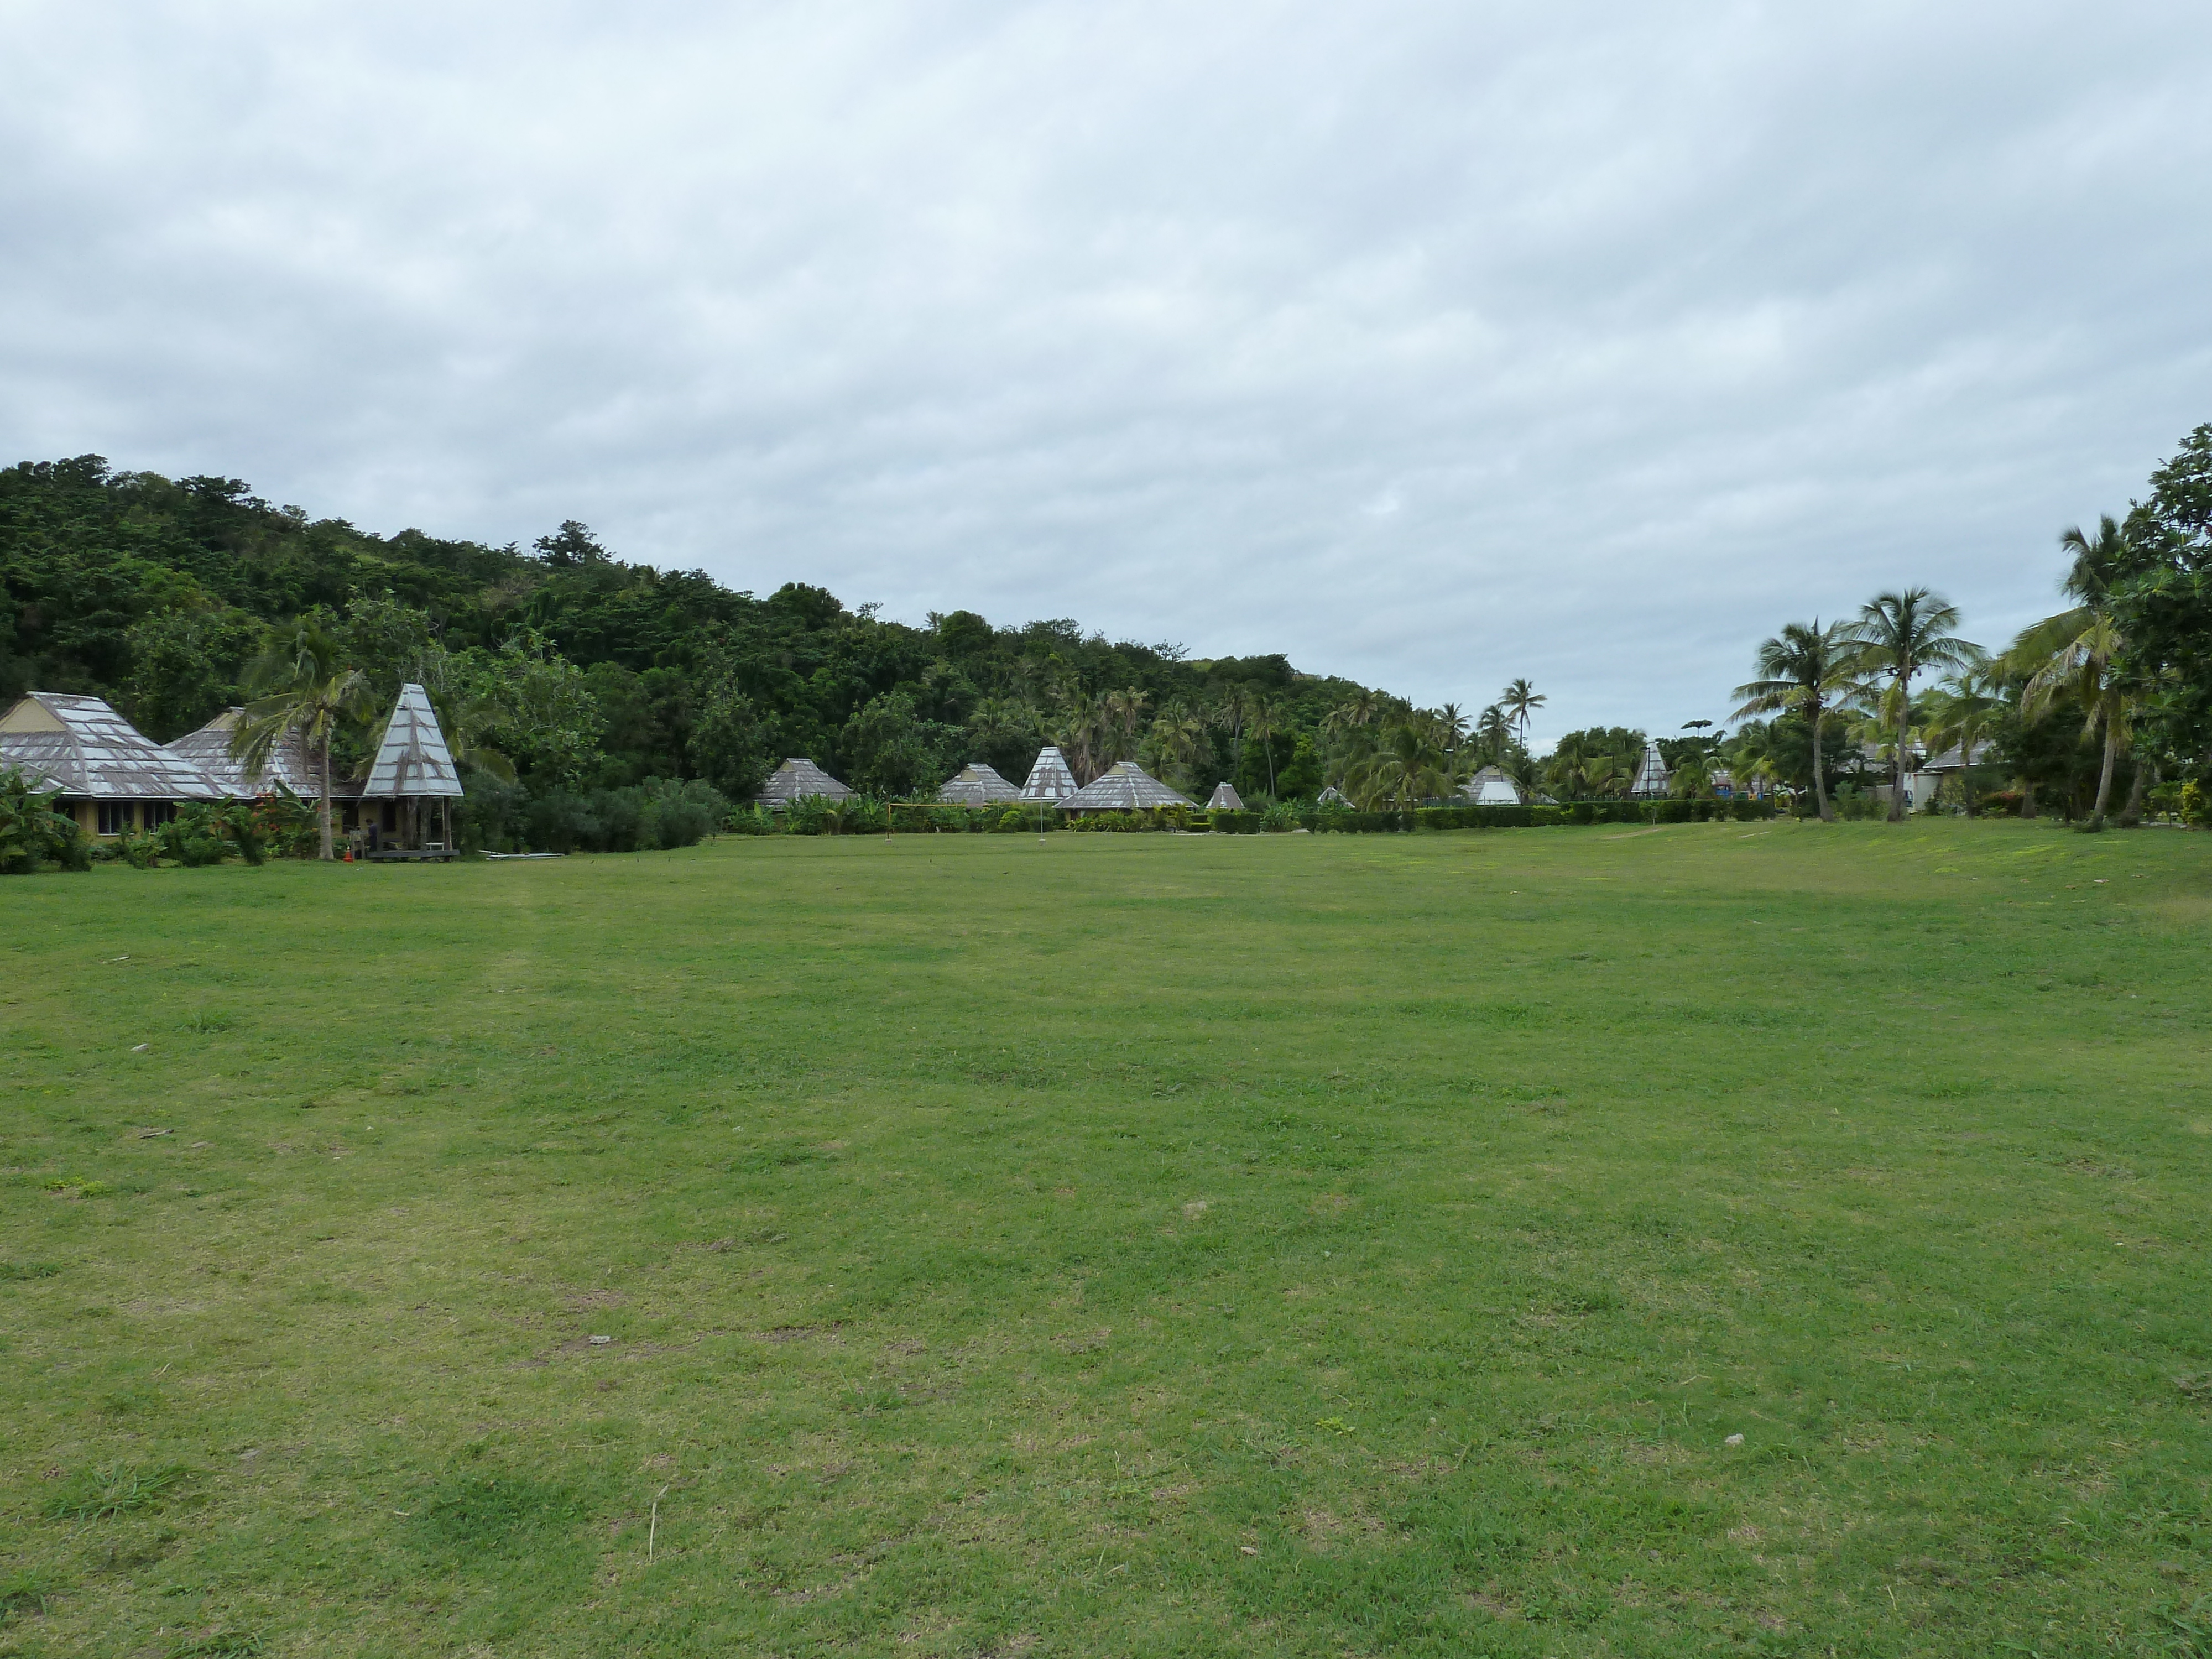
<point x="1652" y="775"/>
<point x="412" y="761"/>
<point x="1050" y="780"/>
<point x="1332" y="794"/>
<point x="84" y="748"/>
<point x="1224" y="799"/>
<point x="209" y="749"/>
<point x="1124" y="788"/>
<point x="800" y="777"/>
<point x="977" y="785"/>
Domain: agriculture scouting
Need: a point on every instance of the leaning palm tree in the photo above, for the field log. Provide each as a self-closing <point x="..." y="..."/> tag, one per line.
<point x="1520" y="701"/>
<point x="1801" y="671"/>
<point x="1901" y="635"/>
<point x="307" y="686"/>
<point x="2073" y="653"/>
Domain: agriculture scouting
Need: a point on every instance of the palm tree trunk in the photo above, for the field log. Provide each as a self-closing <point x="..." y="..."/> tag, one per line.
<point x="2027" y="797"/>
<point x="1819" y="783"/>
<point x="1897" y="788"/>
<point x="2105" y="777"/>
<point x="2131" y="814"/>
<point x="323" y="806"/>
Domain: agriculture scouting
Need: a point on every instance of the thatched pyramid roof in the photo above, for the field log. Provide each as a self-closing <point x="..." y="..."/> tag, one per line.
<point x="1224" y="799"/>
<point x="412" y="761"/>
<point x="84" y="748"/>
<point x="1332" y="794"/>
<point x="287" y="762"/>
<point x="1050" y="780"/>
<point x="1491" y="786"/>
<point x="800" y="777"/>
<point x="977" y="785"/>
<point x="1124" y="788"/>
<point x="1650" y="776"/>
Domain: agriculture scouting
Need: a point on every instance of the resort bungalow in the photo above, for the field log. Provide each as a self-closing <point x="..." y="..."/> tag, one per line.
<point x="286" y="767"/>
<point x="1050" y="780"/>
<point x="1224" y="799"/>
<point x="978" y="784"/>
<point x="1125" y="786"/>
<point x="113" y="780"/>
<point x="795" y="780"/>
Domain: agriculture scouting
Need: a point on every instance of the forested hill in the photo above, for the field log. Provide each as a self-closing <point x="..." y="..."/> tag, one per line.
<point x="592" y="672"/>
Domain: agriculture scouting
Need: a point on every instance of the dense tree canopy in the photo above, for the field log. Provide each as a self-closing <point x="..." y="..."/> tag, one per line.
<point x="589" y="672"/>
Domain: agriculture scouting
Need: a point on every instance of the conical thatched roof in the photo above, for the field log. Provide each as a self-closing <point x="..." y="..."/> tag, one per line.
<point x="84" y="748"/>
<point x="1650" y="776"/>
<point x="1491" y="786"/>
<point x="1050" y="780"/>
<point x="1332" y="794"/>
<point x="412" y="761"/>
<point x="977" y="785"/>
<point x="800" y="777"/>
<point x="1224" y="799"/>
<point x="1124" y="788"/>
<point x="287" y="763"/>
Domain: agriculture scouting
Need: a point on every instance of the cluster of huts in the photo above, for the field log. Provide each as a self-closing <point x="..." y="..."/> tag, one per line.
<point x="114" y="780"/>
<point x="1123" y="787"/>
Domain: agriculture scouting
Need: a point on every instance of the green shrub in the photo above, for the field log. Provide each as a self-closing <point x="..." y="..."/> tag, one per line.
<point x="754" y="820"/>
<point x="2195" y="803"/>
<point x="1225" y="823"/>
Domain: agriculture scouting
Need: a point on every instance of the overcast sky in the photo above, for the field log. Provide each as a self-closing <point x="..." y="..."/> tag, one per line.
<point x="1431" y="344"/>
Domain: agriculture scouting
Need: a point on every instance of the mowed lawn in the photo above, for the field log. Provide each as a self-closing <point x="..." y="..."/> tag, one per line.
<point x="1727" y="1238"/>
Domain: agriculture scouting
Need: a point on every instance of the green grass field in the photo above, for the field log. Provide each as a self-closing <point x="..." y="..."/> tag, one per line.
<point x="1135" y="1245"/>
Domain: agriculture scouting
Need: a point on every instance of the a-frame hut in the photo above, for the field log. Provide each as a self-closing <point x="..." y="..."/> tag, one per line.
<point x="1050" y="780"/>
<point x="407" y="802"/>
<point x="1224" y="799"/>
<point x="1332" y="794"/>
<point x="978" y="784"/>
<point x="1125" y="786"/>
<point x="796" y="779"/>
<point x="1651" y="776"/>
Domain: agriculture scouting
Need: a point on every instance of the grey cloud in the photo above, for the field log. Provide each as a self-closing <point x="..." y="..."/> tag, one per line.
<point x="1433" y="345"/>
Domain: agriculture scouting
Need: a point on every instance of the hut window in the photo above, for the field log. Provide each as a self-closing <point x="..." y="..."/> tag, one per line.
<point x="113" y="816"/>
<point x="159" y="813"/>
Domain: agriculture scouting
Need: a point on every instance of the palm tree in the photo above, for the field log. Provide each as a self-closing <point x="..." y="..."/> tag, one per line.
<point x="1520" y="699"/>
<point x="1963" y="710"/>
<point x="1406" y="770"/>
<point x="307" y="686"/>
<point x="1900" y="634"/>
<point x="1230" y="710"/>
<point x="1266" y="721"/>
<point x="1800" y="670"/>
<point x="2072" y="653"/>
<point x="1493" y="732"/>
<point x="1453" y="724"/>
